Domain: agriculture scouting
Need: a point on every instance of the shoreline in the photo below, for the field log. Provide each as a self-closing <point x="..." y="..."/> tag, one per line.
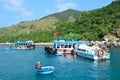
<point x="100" y="43"/>
<point x="43" y="44"/>
<point x="37" y="44"/>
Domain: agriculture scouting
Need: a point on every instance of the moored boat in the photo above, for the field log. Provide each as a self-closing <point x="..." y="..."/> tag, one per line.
<point x="46" y="70"/>
<point x="63" y="45"/>
<point x="23" y="45"/>
<point x="92" y="52"/>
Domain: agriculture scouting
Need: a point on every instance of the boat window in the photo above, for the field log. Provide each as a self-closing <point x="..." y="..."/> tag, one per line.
<point x="69" y="46"/>
<point x="58" y="46"/>
<point x="84" y="50"/>
<point x="66" y="46"/>
<point x="62" y="46"/>
<point x="54" y="46"/>
<point x="74" y="45"/>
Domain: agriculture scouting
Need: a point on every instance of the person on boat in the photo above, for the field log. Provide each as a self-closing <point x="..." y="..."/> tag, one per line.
<point x="38" y="66"/>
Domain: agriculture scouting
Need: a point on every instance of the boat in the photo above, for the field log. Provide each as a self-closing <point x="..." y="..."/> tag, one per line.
<point x="93" y="52"/>
<point x="23" y="45"/>
<point x="46" y="70"/>
<point x="59" y="47"/>
<point x="63" y="45"/>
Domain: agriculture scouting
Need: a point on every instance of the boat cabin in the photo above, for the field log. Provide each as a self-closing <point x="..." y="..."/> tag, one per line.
<point x="23" y="45"/>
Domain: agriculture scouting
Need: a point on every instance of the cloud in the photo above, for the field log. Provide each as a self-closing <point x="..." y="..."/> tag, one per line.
<point x="64" y="4"/>
<point x="18" y="7"/>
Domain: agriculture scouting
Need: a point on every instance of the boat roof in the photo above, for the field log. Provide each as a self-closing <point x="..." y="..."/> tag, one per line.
<point x="67" y="39"/>
<point x="83" y="46"/>
<point x="22" y="42"/>
<point x="62" y="42"/>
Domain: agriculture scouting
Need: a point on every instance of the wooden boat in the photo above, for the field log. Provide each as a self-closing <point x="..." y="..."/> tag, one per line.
<point x="46" y="70"/>
<point x="63" y="45"/>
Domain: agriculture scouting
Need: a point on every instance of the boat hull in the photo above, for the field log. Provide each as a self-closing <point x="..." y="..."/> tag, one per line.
<point x="59" y="54"/>
<point x="23" y="48"/>
<point x="46" y="70"/>
<point x="93" y="57"/>
<point x="85" y="55"/>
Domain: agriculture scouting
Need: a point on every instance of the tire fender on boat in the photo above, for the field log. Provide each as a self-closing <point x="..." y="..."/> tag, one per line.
<point x="100" y="55"/>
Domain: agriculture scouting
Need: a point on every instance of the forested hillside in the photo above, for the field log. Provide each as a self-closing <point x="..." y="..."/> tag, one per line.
<point x="90" y="25"/>
<point x="94" y="25"/>
<point x="37" y="30"/>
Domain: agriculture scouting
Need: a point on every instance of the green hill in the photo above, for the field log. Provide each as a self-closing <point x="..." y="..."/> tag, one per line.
<point x="94" y="25"/>
<point x="66" y="15"/>
<point x="91" y="25"/>
<point x="37" y="30"/>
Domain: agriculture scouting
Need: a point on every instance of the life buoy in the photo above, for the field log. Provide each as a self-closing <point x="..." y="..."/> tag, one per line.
<point x="99" y="54"/>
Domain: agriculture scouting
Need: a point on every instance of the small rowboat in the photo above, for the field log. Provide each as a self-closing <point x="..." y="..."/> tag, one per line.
<point x="46" y="70"/>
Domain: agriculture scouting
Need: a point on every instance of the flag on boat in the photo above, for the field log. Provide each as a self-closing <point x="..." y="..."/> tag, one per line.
<point x="56" y="33"/>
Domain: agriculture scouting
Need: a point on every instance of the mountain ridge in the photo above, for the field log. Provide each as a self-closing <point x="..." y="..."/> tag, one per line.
<point x="68" y="22"/>
<point x="47" y="23"/>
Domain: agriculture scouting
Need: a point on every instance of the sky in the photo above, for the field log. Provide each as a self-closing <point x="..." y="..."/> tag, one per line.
<point x="15" y="11"/>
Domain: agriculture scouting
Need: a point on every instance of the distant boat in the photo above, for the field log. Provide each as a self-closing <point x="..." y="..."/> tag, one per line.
<point x="46" y="70"/>
<point x="92" y="52"/>
<point x="23" y="45"/>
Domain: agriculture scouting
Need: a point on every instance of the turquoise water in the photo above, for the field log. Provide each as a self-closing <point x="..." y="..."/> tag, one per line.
<point x="19" y="65"/>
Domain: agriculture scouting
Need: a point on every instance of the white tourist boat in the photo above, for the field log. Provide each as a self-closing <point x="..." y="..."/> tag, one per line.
<point x="92" y="52"/>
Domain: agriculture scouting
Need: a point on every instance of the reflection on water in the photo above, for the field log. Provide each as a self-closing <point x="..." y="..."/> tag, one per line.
<point x="101" y="63"/>
<point x="66" y="58"/>
<point x="100" y="70"/>
<point x="44" y="77"/>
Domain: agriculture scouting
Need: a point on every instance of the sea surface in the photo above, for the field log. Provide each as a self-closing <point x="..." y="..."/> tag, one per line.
<point x="20" y="65"/>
